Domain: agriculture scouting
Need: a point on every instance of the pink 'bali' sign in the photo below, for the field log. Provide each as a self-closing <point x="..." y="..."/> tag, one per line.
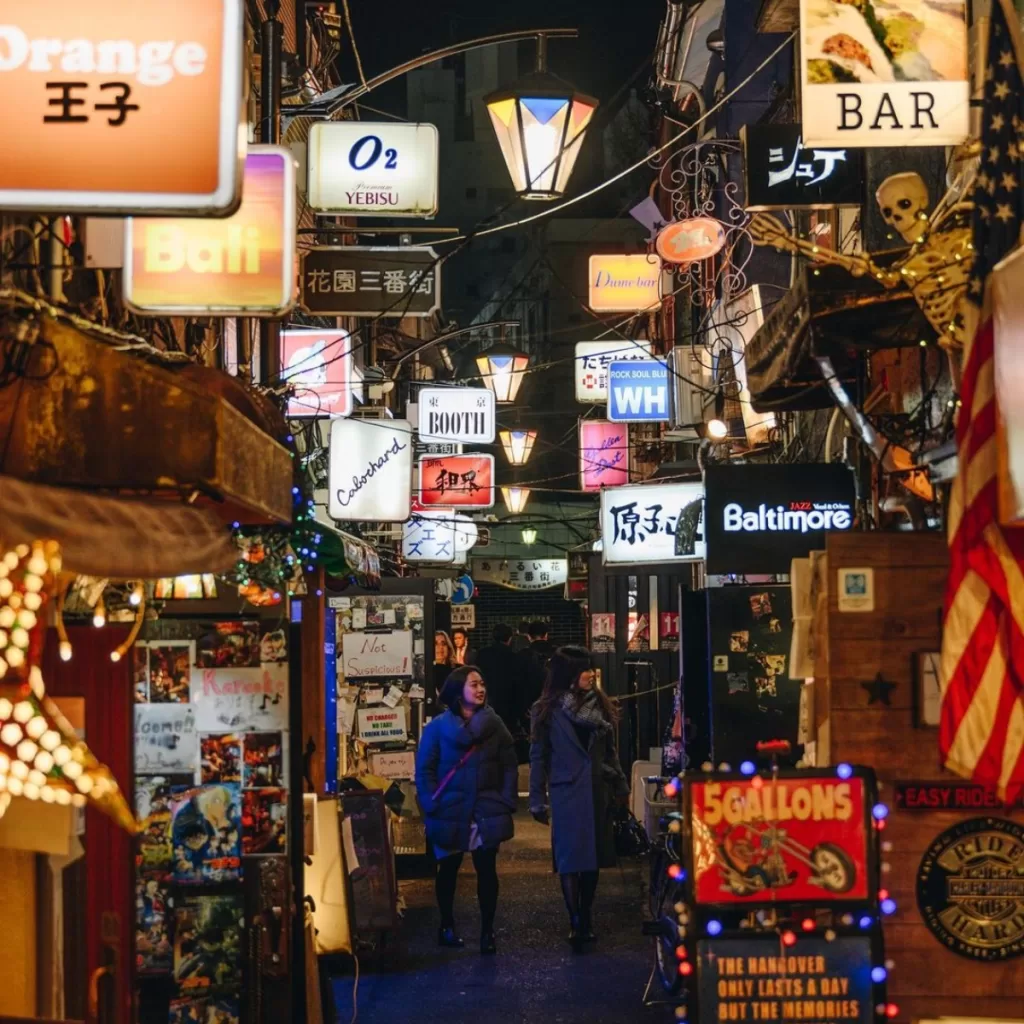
<point x="604" y="454"/>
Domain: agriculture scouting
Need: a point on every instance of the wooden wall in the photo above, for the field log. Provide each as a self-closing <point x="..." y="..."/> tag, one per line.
<point x="927" y="980"/>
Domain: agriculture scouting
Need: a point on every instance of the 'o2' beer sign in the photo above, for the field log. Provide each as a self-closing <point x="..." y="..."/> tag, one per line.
<point x="379" y="170"/>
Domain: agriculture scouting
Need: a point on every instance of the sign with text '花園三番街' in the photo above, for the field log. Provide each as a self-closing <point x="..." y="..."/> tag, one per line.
<point x="244" y="263"/>
<point x="116" y="106"/>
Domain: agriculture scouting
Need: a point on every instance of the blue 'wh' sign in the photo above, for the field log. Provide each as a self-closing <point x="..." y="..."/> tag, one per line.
<point x="638" y="391"/>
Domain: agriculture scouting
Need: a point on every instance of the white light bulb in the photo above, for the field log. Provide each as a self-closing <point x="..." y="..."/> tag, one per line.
<point x="6" y="708"/>
<point x="61" y="755"/>
<point x="3" y="639"/>
<point x="6" y="588"/>
<point x="19" y="637"/>
<point x="63" y="797"/>
<point x="49" y="739"/>
<point x="33" y="602"/>
<point x="11" y="560"/>
<point x="30" y="791"/>
<point x="27" y="618"/>
<point x="14" y="786"/>
<point x="65" y="650"/>
<point x="36" y="777"/>
<point x="33" y="583"/>
<point x="99" y="620"/>
<point x="718" y="430"/>
<point x="37" y="564"/>
<point x="84" y="783"/>
<point x="21" y="551"/>
<point x="27" y="750"/>
<point x="3" y="668"/>
<point x="77" y="800"/>
<point x="10" y="734"/>
<point x="6" y="613"/>
<point x="15" y="657"/>
<point x="35" y="727"/>
<point x="72" y="769"/>
<point x="23" y="711"/>
<point x="44" y="762"/>
<point x="47" y="794"/>
<point x="115" y="656"/>
<point x="19" y="770"/>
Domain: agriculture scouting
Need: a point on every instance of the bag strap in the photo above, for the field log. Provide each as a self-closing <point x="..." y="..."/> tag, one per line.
<point x="452" y="771"/>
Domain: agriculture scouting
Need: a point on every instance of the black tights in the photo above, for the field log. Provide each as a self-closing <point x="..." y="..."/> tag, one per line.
<point x="578" y="891"/>
<point x="485" y="864"/>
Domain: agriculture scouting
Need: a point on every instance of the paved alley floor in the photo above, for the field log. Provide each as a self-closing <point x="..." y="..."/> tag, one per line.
<point x="535" y="976"/>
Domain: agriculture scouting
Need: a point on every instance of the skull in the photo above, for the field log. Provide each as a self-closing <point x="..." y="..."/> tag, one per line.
<point x="903" y="202"/>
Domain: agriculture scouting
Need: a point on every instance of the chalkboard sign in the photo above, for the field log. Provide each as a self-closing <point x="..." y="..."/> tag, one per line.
<point x="366" y="843"/>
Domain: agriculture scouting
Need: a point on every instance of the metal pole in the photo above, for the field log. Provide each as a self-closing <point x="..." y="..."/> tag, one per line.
<point x="270" y="132"/>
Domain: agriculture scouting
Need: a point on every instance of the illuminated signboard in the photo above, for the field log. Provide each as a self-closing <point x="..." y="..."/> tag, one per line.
<point x="122" y="107"/>
<point x="593" y="359"/>
<point x="625" y="283"/>
<point x="646" y="523"/>
<point x="604" y="454"/>
<point x="238" y="264"/>
<point x="318" y="365"/>
<point x="462" y="481"/>
<point x="370" y="470"/>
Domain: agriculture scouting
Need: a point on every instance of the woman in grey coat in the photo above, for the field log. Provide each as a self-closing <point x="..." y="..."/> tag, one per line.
<point x="466" y="783"/>
<point x="575" y="775"/>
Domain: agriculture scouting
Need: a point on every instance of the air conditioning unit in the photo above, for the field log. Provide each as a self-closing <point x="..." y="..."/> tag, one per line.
<point x="689" y="385"/>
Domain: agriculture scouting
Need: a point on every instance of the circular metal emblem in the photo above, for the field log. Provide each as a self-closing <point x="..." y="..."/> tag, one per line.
<point x="970" y="889"/>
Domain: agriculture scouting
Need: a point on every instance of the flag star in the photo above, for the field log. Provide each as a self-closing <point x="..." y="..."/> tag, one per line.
<point x="998" y="122"/>
<point x="993" y="154"/>
<point x="983" y="179"/>
<point x="1013" y="151"/>
<point x="984" y="212"/>
<point x="1009" y="182"/>
<point x="1004" y="212"/>
<point x="990" y="73"/>
<point x="1002" y="90"/>
<point x="1006" y="59"/>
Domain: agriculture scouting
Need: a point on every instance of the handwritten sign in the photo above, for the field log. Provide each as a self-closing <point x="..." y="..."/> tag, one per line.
<point x="382" y="725"/>
<point x="376" y="655"/>
<point x="166" y="739"/>
<point x="241" y="699"/>
<point x="398" y="764"/>
<point x="604" y="454"/>
<point x="370" y="470"/>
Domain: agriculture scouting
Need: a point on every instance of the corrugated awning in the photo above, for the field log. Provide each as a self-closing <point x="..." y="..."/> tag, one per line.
<point x="115" y="538"/>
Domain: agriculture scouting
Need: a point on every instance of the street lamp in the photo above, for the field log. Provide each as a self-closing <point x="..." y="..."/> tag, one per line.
<point x="515" y="498"/>
<point x="540" y="123"/>
<point x="502" y="368"/>
<point x="518" y="445"/>
<point x="529" y="536"/>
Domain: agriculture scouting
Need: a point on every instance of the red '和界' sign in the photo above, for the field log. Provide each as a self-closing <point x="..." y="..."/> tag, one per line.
<point x="457" y="481"/>
<point x="799" y="839"/>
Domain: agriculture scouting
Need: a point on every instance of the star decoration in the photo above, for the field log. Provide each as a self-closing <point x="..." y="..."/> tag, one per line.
<point x="879" y="691"/>
<point x="975" y="286"/>
<point x="1002" y="90"/>
<point x="998" y="122"/>
<point x="993" y="154"/>
<point x="1009" y="181"/>
<point x="1004" y="212"/>
<point x="1006" y="59"/>
<point x="1013" y="151"/>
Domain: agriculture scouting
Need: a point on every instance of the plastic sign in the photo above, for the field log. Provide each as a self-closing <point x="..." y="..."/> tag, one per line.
<point x="625" y="283"/>
<point x="524" y="574"/>
<point x="429" y="536"/>
<point x="370" y="470"/>
<point x="652" y="523"/>
<point x="686" y="241"/>
<point x="318" y="365"/>
<point x="639" y="392"/>
<point x="462" y="415"/>
<point x="116" y="106"/>
<point x="242" y="264"/>
<point x="373" y="169"/>
<point x="891" y="77"/>
<point x="593" y="359"/>
<point x="460" y="481"/>
<point x="604" y="454"/>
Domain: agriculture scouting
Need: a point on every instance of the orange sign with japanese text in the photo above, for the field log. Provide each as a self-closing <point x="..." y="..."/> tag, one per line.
<point x="121" y="106"/>
<point x="244" y="263"/>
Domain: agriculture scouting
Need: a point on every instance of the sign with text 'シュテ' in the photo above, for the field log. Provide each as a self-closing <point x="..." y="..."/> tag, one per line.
<point x="463" y="415"/>
<point x="239" y="264"/>
<point x="373" y="169"/>
<point x="593" y="359"/>
<point x="462" y="481"/>
<point x="646" y="523"/>
<point x="627" y="283"/>
<point x="639" y="392"/>
<point x="115" y="106"/>
<point x="395" y="281"/>
<point x="318" y="365"/>
<point x="884" y="74"/>
<point x="376" y="655"/>
<point x="370" y="470"/>
<point x="604" y="454"/>
<point x="789" y="838"/>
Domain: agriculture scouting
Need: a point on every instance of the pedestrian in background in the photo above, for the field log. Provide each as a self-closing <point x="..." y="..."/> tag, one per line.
<point x="502" y="674"/>
<point x="576" y="780"/>
<point x="466" y="783"/>
<point x="521" y="637"/>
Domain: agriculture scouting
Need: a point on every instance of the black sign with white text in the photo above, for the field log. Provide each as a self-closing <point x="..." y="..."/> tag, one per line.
<point x="783" y="174"/>
<point x="758" y="518"/>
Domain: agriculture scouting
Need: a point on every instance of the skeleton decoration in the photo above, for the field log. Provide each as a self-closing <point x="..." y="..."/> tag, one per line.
<point x="935" y="269"/>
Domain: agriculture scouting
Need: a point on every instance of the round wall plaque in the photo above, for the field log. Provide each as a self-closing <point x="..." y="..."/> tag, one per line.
<point x="970" y="889"/>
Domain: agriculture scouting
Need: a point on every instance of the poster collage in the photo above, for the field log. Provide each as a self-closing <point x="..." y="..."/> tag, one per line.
<point x="211" y="719"/>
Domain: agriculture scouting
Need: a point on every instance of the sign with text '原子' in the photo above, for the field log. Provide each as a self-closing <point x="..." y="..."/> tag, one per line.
<point x="97" y="92"/>
<point x="646" y="523"/>
<point x="202" y="265"/>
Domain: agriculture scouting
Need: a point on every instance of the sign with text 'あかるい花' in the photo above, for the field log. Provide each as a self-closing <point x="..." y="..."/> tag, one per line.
<point x="652" y="523"/>
<point x="97" y="93"/>
<point x="626" y="283"/>
<point x="593" y="359"/>
<point x="522" y="574"/>
<point x="373" y="169"/>
<point x="376" y="655"/>
<point x="203" y="265"/>
<point x="639" y="392"/>
<point x="892" y="74"/>
<point x="463" y="415"/>
<point x="370" y="470"/>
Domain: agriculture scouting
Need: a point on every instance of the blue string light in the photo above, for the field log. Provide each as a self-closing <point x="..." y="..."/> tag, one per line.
<point x="879" y="974"/>
<point x="866" y="922"/>
<point x="714" y="927"/>
<point x="888" y="906"/>
<point x="844" y="771"/>
<point x="880" y="812"/>
<point x="748" y="768"/>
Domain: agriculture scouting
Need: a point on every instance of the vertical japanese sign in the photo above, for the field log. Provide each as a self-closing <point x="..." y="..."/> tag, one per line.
<point x="884" y="74"/>
<point x="318" y="365"/>
<point x="430" y="536"/>
<point x="122" y="107"/>
<point x="239" y="264"/>
<point x="462" y="481"/>
<point x="593" y="359"/>
<point x="604" y="454"/>
<point x="652" y="523"/>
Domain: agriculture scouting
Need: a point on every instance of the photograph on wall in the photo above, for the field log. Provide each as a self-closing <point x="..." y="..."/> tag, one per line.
<point x="140" y="673"/>
<point x="170" y="671"/>
<point x="153" y="909"/>
<point x="602" y="632"/>
<point x="264" y="759"/>
<point x="153" y="795"/>
<point x="221" y="757"/>
<point x="223" y="1010"/>
<point x="206" y="832"/>
<point x="229" y="645"/>
<point x="274" y="646"/>
<point x="264" y="821"/>
<point x="208" y="944"/>
<point x="186" y="588"/>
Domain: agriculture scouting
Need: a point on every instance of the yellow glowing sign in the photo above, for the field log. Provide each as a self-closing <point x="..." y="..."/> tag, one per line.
<point x="625" y="283"/>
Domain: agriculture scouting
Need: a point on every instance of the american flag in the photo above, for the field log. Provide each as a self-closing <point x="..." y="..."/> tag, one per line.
<point x="981" y="735"/>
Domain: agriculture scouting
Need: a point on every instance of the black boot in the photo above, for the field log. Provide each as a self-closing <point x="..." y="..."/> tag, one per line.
<point x="571" y="894"/>
<point x="588" y="889"/>
<point x="487" y="944"/>
<point x="446" y="937"/>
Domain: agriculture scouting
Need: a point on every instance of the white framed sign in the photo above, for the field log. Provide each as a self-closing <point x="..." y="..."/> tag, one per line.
<point x="382" y="724"/>
<point x="593" y="359"/>
<point x="370" y="470"/>
<point x="462" y="415"/>
<point x="522" y="573"/>
<point x="639" y="523"/>
<point x="393" y="764"/>
<point x="373" y="169"/>
<point x="464" y="615"/>
<point x="429" y="536"/>
<point x="241" y="699"/>
<point x="899" y="81"/>
<point x="166" y="739"/>
<point x="377" y="655"/>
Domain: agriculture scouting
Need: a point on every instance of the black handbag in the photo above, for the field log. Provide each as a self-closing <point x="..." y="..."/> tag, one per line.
<point x="630" y="836"/>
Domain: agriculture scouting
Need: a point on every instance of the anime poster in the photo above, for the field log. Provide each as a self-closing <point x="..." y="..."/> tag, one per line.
<point x="204" y="1011"/>
<point x="264" y="759"/>
<point x="140" y="673"/>
<point x="274" y="646"/>
<point x="206" y="831"/>
<point x="221" y="757"/>
<point x="153" y="909"/>
<point x="229" y="645"/>
<point x="153" y="809"/>
<point x="264" y="821"/>
<point x="795" y="838"/>
<point x="170" y="672"/>
<point x="208" y="944"/>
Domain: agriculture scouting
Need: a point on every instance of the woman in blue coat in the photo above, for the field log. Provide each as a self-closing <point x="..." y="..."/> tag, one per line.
<point x="466" y="783"/>
<point x="575" y="775"/>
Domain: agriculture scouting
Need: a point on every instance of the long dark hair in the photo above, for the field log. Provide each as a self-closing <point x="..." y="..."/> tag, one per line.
<point x="450" y="695"/>
<point x="567" y="664"/>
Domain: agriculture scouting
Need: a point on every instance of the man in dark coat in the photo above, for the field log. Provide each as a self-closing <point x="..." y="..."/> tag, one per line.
<point x="535" y="662"/>
<point x="502" y="670"/>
